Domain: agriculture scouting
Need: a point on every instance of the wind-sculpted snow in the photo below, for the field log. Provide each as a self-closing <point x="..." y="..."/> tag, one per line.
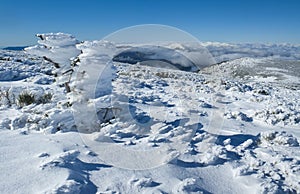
<point x="130" y="128"/>
<point x="92" y="80"/>
<point x="58" y="47"/>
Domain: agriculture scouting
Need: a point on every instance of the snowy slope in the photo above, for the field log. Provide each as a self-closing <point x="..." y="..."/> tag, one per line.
<point x="129" y="128"/>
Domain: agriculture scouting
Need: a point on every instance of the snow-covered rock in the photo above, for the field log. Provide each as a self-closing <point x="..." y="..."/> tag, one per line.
<point x="58" y="49"/>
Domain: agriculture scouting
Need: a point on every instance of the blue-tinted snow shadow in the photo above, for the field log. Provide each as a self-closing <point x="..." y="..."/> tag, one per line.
<point x="79" y="171"/>
<point x="235" y="140"/>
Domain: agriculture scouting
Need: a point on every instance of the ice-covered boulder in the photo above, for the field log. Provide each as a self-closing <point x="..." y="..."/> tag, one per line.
<point x="86" y="70"/>
<point x="92" y="84"/>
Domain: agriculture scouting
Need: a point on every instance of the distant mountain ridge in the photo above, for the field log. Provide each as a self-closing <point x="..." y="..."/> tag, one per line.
<point x="14" y="48"/>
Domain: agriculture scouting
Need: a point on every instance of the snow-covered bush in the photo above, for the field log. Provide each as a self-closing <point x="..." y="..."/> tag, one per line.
<point x="238" y="115"/>
<point x="235" y="86"/>
<point x="279" y="115"/>
<point x="269" y="138"/>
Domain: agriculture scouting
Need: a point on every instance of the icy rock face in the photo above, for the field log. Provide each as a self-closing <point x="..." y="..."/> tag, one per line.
<point x="58" y="48"/>
<point x="84" y="68"/>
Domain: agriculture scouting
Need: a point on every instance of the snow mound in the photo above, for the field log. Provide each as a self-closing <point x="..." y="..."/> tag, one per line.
<point x="69" y="186"/>
<point x="188" y="185"/>
<point x="143" y="182"/>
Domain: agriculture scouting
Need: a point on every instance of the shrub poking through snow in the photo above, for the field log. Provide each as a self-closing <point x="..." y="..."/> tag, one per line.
<point x="26" y="98"/>
<point x="46" y="98"/>
<point x="22" y="97"/>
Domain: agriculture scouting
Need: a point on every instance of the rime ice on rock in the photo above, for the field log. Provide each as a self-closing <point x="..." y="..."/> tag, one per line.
<point x="59" y="49"/>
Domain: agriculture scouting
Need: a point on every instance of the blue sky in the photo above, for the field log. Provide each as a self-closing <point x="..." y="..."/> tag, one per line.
<point x="271" y="21"/>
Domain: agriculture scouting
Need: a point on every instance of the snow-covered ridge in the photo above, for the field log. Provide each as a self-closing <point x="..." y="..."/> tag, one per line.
<point x="232" y="127"/>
